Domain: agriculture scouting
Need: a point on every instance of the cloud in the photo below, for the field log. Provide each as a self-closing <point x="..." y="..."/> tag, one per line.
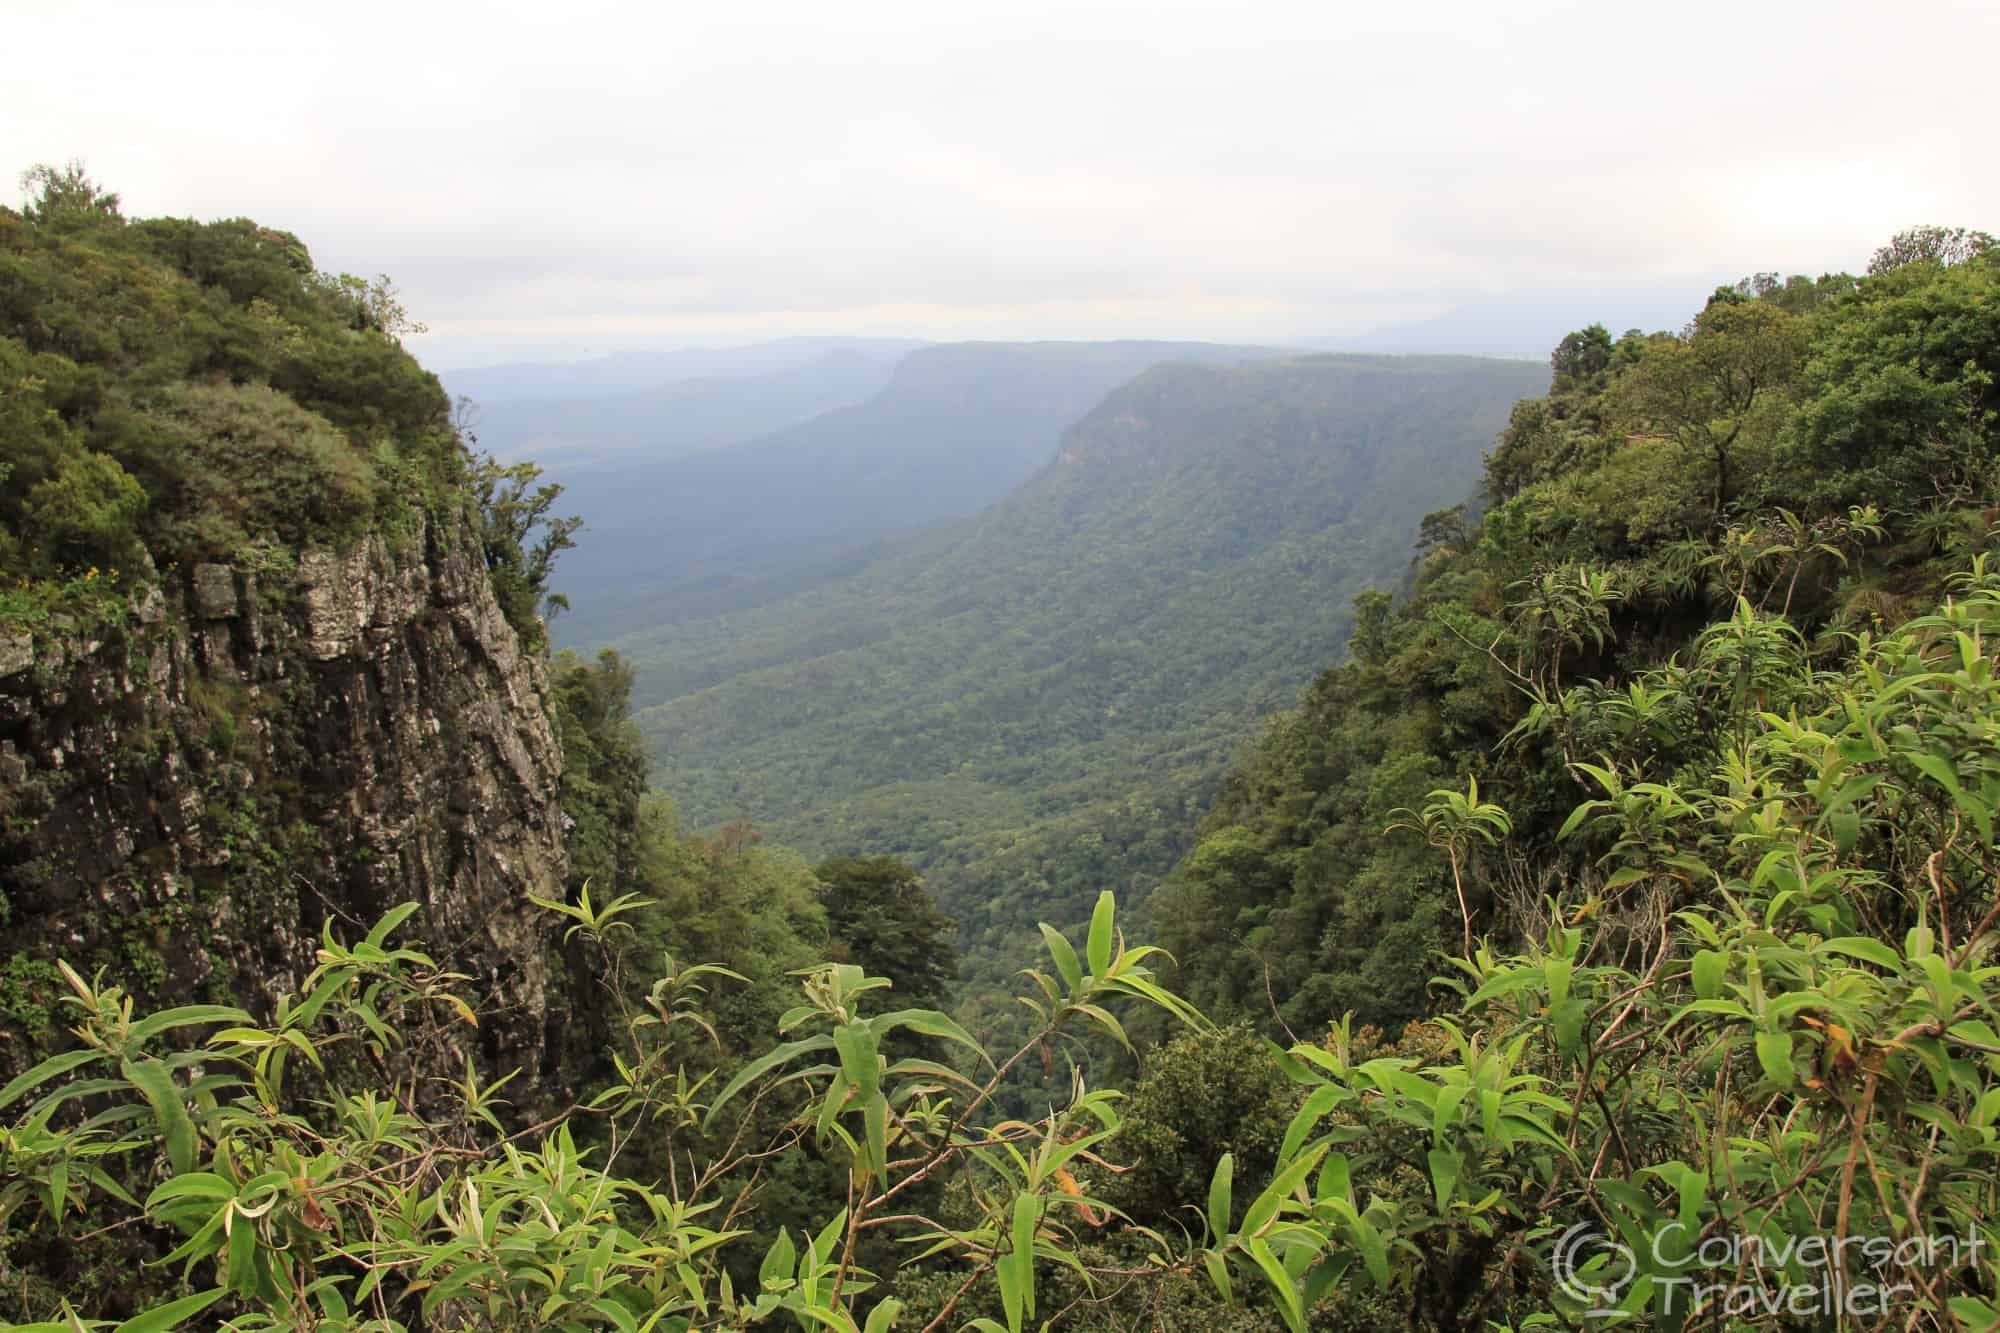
<point x="611" y="171"/>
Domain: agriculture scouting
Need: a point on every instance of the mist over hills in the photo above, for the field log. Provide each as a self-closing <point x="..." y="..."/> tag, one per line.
<point x="956" y="427"/>
<point x="640" y="370"/>
<point x="572" y="435"/>
<point x="1523" y="326"/>
<point x="1032" y="702"/>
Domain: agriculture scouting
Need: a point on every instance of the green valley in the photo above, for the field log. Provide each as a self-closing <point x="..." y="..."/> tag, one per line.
<point x="1033" y="703"/>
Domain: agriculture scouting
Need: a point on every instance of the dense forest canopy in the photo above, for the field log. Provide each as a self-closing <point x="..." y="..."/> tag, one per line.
<point x="1625" y="903"/>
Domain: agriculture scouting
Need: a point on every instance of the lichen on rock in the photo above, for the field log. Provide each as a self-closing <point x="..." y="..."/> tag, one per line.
<point x="189" y="797"/>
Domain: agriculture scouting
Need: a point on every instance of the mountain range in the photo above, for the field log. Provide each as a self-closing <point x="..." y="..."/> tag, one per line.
<point x="672" y="535"/>
<point x="1031" y="703"/>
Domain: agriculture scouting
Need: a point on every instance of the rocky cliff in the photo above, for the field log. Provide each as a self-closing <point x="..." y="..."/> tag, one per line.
<point x="192" y="789"/>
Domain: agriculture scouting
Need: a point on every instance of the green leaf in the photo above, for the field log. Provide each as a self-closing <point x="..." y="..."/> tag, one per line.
<point x="1010" y="1293"/>
<point x="1446" y="1167"/>
<point x="1027" y="1214"/>
<point x="1867" y="949"/>
<point x="1334" y="1181"/>
<point x="856" y="1044"/>
<point x="1015" y="1269"/>
<point x="241" y="1268"/>
<point x="1374" y="1250"/>
<point x="883" y="1316"/>
<point x="196" y="1185"/>
<point x="1065" y="957"/>
<point x="153" y="1079"/>
<point x="1558" y="972"/>
<point x="187" y="1016"/>
<point x="761" y="1066"/>
<point x="779" y="1261"/>
<point x="875" y="1119"/>
<point x="1507" y="982"/>
<point x="1099" y="947"/>
<point x="1102" y="1017"/>
<point x="53" y="1067"/>
<point x="163" y="1318"/>
<point x="393" y="918"/>
<point x="929" y="1023"/>
<point x="1774" y="1052"/>
<point x="1314" y="1109"/>
<point x="1450" y="1103"/>
<point x="1974" y="1312"/>
<point x="1708" y="968"/>
<point x="620" y="1317"/>
<point x="1260" y="1213"/>
<point x="1568" y="1020"/>
<point x="1218" y="1273"/>
<point x="1282" y="1286"/>
<point x="1218" y="1196"/>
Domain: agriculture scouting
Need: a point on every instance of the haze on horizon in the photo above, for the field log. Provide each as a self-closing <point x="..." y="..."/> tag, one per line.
<point x="548" y="182"/>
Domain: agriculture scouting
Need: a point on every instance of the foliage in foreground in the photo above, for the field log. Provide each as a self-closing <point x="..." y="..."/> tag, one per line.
<point x="1775" y="1018"/>
<point x="1828" y="448"/>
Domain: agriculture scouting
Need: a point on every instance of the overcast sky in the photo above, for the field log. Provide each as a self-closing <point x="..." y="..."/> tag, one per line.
<point x="572" y="177"/>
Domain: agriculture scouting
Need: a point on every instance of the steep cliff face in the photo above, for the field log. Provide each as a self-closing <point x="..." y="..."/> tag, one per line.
<point x="190" y="791"/>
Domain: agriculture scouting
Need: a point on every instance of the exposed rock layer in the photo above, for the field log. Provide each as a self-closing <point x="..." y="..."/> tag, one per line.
<point x="187" y="797"/>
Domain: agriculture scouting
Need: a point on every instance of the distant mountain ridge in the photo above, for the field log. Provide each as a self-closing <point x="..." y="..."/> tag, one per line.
<point x="641" y="370"/>
<point x="956" y="427"/>
<point x="575" y="438"/>
<point x="1524" y="326"/>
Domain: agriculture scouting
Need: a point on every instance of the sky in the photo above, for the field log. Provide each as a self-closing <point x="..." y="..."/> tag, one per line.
<point x="547" y="181"/>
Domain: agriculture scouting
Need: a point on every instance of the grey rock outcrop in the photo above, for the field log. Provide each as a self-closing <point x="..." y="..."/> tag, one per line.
<point x="190" y="796"/>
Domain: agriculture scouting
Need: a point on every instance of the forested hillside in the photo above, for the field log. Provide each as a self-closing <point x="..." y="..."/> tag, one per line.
<point x="956" y="428"/>
<point x="1034" y="704"/>
<point x="1625" y="903"/>
<point x="1803" y="463"/>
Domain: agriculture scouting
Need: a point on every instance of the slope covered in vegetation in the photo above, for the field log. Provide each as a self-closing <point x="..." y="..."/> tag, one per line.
<point x="1817" y="449"/>
<point x="1034" y="704"/>
<point x="178" y="391"/>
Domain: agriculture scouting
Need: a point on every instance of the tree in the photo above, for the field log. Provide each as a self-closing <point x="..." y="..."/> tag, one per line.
<point x="1444" y="530"/>
<point x="377" y="307"/>
<point x="1703" y="388"/>
<point x="512" y="509"/>
<point x="1205" y="1093"/>
<point x="1934" y="245"/>
<point x="87" y="511"/>
<point x="881" y="917"/>
<point x="66" y="194"/>
<point x="1900" y="389"/>
<point x="604" y="769"/>
<point x="1455" y="822"/>
<point x="1580" y="357"/>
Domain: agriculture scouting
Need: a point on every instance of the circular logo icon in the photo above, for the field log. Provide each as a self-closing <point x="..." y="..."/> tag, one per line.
<point x="1592" y="1269"/>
